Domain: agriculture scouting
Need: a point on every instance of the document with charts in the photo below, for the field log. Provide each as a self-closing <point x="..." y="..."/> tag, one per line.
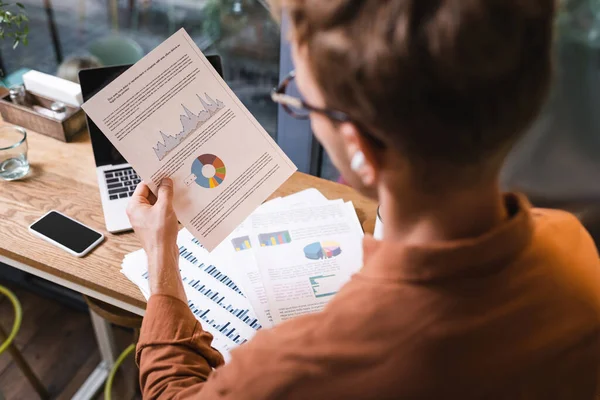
<point x="288" y="258"/>
<point x="213" y="297"/>
<point x="305" y="255"/>
<point x="171" y="115"/>
<point x="237" y="251"/>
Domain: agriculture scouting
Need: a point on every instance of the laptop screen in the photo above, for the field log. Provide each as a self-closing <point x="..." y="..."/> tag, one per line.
<point x="92" y="81"/>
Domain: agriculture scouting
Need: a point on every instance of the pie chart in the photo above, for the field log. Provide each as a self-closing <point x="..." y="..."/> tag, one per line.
<point x="321" y="250"/>
<point x="217" y="177"/>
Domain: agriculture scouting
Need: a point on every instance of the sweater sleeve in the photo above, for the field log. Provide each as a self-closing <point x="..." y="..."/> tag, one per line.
<point x="174" y="353"/>
<point x="177" y="361"/>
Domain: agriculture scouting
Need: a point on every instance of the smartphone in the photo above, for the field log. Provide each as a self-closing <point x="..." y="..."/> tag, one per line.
<point x="66" y="233"/>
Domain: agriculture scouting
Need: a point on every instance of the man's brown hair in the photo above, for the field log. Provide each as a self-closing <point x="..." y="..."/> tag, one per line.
<point x="446" y="81"/>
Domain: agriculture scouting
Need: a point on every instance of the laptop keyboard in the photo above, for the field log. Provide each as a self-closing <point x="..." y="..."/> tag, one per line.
<point x="121" y="182"/>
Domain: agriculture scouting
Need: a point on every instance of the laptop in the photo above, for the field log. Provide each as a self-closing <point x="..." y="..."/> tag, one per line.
<point x="116" y="178"/>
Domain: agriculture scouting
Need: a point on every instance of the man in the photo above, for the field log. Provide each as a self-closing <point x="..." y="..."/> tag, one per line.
<point x="472" y="294"/>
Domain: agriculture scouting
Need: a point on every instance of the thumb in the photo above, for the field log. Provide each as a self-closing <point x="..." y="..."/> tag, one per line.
<point x="165" y="191"/>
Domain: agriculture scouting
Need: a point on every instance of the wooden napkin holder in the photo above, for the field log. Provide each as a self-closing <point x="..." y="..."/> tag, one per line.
<point x="25" y="116"/>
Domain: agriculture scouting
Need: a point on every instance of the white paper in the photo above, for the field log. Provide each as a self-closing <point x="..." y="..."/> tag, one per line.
<point x="213" y="297"/>
<point x="237" y="249"/>
<point x="264" y="285"/>
<point x="306" y="255"/>
<point x="171" y="115"/>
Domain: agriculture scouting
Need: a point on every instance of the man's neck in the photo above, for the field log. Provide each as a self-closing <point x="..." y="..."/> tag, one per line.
<point x="418" y="218"/>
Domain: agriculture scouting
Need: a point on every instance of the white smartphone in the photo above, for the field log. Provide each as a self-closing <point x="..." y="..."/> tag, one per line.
<point x="66" y="233"/>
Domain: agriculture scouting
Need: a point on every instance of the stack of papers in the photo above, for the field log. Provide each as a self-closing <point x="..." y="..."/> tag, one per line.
<point x="288" y="258"/>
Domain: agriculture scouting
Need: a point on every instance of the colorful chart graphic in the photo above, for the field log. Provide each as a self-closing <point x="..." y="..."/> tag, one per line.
<point x="209" y="181"/>
<point x="274" y="238"/>
<point x="241" y="243"/>
<point x="324" y="285"/>
<point x="320" y="250"/>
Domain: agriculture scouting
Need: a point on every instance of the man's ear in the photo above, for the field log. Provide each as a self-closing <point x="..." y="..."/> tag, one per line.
<point x="365" y="162"/>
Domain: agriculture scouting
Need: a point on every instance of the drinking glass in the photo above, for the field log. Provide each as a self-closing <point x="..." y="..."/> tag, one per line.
<point x="13" y="153"/>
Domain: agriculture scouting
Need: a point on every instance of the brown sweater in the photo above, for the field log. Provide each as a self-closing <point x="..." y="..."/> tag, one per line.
<point x="513" y="314"/>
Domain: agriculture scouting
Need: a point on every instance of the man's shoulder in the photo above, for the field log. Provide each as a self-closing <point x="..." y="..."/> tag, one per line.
<point x="554" y="216"/>
<point x="566" y="254"/>
<point x="560" y="231"/>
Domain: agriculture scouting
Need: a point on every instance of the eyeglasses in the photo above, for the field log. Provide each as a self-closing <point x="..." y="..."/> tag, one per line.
<point x="289" y="97"/>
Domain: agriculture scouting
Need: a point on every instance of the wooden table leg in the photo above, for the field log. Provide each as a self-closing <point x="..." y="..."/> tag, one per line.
<point x="24" y="367"/>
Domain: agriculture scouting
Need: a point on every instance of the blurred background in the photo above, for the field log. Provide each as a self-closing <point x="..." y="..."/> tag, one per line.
<point x="557" y="161"/>
<point x="242" y="32"/>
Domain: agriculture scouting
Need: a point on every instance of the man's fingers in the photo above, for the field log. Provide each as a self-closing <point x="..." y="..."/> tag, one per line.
<point x="143" y="195"/>
<point x="165" y="191"/>
<point x="138" y="199"/>
<point x="141" y="191"/>
<point x="152" y="198"/>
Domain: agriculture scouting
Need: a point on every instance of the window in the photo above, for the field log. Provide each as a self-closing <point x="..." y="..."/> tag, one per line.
<point x="241" y="31"/>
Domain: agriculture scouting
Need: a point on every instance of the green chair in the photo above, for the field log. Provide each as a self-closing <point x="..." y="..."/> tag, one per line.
<point x="14" y="351"/>
<point x="121" y="318"/>
<point x="116" y="50"/>
<point x="111" y="376"/>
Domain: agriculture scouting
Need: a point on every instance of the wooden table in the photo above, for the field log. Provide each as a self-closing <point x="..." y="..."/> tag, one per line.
<point x="63" y="178"/>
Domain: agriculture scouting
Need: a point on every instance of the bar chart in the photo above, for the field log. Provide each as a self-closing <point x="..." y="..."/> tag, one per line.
<point x="211" y="270"/>
<point x="197" y="242"/>
<point x="324" y="285"/>
<point x="274" y="238"/>
<point x="188" y="255"/>
<point x="224" y="327"/>
<point x="243" y="314"/>
<point x="241" y="243"/>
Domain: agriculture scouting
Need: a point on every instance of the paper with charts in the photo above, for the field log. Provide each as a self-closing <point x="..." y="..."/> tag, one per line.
<point x="171" y="115"/>
<point x="305" y="255"/>
<point x="213" y="296"/>
<point x="288" y="258"/>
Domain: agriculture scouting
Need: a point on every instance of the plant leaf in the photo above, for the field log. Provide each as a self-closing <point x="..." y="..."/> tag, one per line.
<point x="20" y="5"/>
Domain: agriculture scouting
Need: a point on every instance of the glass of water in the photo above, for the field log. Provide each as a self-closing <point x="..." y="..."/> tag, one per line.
<point x="13" y="153"/>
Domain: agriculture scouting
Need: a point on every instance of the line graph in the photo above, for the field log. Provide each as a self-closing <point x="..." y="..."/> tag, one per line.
<point x="189" y="123"/>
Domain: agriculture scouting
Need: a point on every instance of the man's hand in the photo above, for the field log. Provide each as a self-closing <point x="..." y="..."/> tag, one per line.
<point x="155" y="225"/>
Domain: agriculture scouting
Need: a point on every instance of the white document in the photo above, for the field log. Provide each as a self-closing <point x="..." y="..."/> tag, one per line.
<point x="213" y="296"/>
<point x="237" y="250"/>
<point x="171" y="115"/>
<point x="306" y="255"/>
<point x="288" y="258"/>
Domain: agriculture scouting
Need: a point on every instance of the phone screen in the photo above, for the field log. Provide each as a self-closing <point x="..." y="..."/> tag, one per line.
<point x="65" y="231"/>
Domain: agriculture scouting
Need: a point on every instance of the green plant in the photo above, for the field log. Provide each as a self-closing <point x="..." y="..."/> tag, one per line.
<point x="211" y="26"/>
<point x="13" y="25"/>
